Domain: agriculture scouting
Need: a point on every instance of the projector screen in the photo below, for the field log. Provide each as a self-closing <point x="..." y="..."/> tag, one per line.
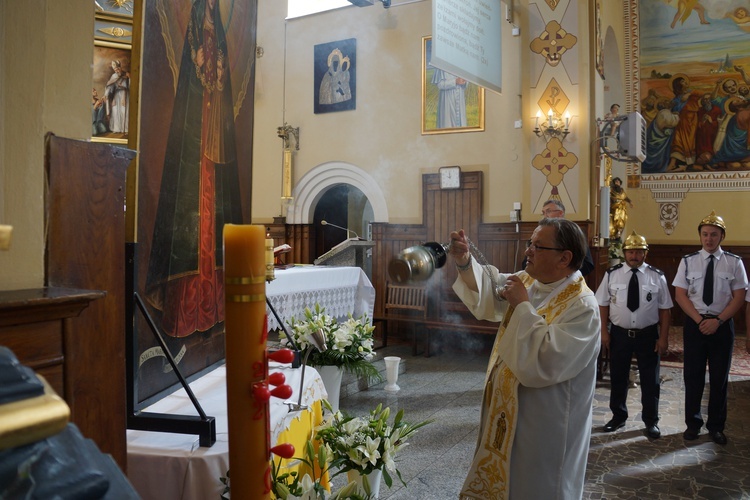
<point x="466" y="40"/>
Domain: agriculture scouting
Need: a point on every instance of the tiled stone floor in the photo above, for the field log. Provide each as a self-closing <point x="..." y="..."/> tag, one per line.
<point x="447" y="387"/>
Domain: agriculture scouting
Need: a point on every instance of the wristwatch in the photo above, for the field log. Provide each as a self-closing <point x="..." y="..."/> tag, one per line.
<point x="721" y="321"/>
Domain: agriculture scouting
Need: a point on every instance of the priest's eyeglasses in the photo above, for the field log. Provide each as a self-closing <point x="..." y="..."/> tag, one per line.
<point x="534" y="247"/>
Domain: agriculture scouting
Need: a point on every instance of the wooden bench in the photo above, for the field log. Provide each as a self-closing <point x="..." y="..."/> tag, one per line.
<point x="407" y="303"/>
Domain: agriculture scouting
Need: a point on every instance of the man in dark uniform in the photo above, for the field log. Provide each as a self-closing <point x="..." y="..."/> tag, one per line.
<point x="710" y="288"/>
<point x="635" y="299"/>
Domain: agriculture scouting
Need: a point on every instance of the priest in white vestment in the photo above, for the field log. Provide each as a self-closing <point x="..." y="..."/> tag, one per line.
<point x="536" y="413"/>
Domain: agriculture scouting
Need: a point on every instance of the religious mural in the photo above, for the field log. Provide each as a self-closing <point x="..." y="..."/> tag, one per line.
<point x="695" y="85"/>
<point x="194" y="176"/>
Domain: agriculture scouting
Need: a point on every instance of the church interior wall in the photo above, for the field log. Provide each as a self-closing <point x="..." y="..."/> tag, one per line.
<point x="44" y="77"/>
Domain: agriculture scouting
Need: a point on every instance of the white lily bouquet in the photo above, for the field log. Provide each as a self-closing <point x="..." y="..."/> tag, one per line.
<point x="350" y="344"/>
<point x="364" y="444"/>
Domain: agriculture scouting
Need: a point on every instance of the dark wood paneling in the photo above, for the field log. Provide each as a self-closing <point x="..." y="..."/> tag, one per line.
<point x="34" y="324"/>
<point x="502" y="244"/>
<point x="86" y="250"/>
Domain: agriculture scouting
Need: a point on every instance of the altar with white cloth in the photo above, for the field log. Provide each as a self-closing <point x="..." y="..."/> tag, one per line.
<point x="174" y="466"/>
<point x="340" y="290"/>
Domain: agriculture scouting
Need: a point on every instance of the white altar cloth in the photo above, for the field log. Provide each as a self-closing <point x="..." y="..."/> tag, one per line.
<point x="340" y="290"/>
<point x="173" y="466"/>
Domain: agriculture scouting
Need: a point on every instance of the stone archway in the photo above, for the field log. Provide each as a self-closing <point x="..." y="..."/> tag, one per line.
<point x="313" y="185"/>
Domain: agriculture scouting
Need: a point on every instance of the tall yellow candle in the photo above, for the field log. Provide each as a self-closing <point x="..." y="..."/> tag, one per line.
<point x="246" y="361"/>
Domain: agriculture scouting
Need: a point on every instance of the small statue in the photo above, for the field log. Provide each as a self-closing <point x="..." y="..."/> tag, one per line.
<point x="618" y="210"/>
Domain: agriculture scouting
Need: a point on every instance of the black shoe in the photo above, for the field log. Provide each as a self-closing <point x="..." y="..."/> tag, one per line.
<point x="718" y="437"/>
<point x="653" y="431"/>
<point x="613" y="425"/>
<point x="691" y="434"/>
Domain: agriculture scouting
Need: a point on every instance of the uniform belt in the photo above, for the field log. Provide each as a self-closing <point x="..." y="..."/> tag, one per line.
<point x="634" y="332"/>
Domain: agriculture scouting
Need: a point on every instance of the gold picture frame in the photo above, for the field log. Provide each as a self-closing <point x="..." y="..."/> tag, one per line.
<point x="112" y="62"/>
<point x="443" y="114"/>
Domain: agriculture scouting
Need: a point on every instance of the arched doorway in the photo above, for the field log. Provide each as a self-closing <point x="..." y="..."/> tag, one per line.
<point x="315" y="183"/>
<point x="342" y="194"/>
<point x="340" y="206"/>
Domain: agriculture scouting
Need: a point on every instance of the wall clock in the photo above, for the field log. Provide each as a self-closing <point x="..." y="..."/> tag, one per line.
<point x="450" y="177"/>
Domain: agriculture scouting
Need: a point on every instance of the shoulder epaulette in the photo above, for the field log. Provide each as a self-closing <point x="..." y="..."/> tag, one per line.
<point x="655" y="269"/>
<point x="618" y="266"/>
<point x="732" y="255"/>
<point x="691" y="254"/>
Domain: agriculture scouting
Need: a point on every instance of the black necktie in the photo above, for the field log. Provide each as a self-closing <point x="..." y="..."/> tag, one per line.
<point x="633" y="292"/>
<point x="708" y="283"/>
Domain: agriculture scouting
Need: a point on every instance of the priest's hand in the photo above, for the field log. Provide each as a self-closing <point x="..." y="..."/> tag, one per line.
<point x="514" y="291"/>
<point x="459" y="248"/>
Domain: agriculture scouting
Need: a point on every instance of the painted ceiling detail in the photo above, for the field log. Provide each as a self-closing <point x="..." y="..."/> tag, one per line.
<point x="552" y="3"/>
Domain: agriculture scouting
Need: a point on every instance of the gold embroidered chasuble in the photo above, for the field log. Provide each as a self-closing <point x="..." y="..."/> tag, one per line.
<point x="489" y="474"/>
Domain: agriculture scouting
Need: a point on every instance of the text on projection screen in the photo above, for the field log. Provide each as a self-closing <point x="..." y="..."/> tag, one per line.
<point x="466" y="40"/>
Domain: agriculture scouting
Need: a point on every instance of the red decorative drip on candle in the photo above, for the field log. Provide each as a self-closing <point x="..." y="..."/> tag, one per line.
<point x="276" y="378"/>
<point x="282" y="392"/>
<point x="282" y="356"/>
<point x="285" y="450"/>
<point x="261" y="393"/>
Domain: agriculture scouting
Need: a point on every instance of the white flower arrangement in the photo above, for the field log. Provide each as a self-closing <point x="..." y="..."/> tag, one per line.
<point x="350" y="344"/>
<point x="365" y="444"/>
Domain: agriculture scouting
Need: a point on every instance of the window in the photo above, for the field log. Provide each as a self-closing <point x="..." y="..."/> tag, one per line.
<point x="299" y="8"/>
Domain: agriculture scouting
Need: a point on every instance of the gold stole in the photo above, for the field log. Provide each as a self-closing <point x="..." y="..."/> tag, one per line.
<point x="489" y="473"/>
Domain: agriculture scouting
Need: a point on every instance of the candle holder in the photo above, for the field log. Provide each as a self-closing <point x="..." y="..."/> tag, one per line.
<point x="554" y="126"/>
<point x="318" y="340"/>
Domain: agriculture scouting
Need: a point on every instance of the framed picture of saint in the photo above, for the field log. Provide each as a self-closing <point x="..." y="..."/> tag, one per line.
<point x="110" y="92"/>
<point x="449" y="103"/>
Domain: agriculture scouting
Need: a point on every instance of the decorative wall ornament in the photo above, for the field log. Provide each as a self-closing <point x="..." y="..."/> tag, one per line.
<point x="553" y="42"/>
<point x="553" y="98"/>
<point x="554" y="162"/>
<point x="669" y="216"/>
<point x="552" y="3"/>
<point x="116" y="31"/>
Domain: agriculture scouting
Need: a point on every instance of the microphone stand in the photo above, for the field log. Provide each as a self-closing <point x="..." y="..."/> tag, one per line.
<point x="326" y="223"/>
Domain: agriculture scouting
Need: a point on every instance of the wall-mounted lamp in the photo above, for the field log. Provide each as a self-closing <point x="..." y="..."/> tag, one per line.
<point x="285" y="133"/>
<point x="287" y="130"/>
<point x="553" y="126"/>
